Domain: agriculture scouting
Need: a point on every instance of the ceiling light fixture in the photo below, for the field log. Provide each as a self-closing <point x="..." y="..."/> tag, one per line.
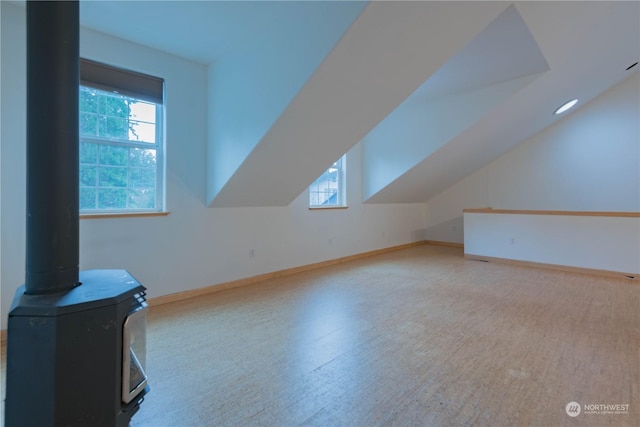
<point x="564" y="107"/>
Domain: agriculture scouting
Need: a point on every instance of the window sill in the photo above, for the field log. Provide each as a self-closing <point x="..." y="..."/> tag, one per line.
<point x="122" y="215"/>
<point x="324" y="208"/>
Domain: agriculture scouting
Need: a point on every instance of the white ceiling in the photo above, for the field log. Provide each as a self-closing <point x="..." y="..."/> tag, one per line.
<point x="201" y="31"/>
<point x="503" y="51"/>
<point x="569" y="49"/>
<point x="197" y="30"/>
<point x="500" y="60"/>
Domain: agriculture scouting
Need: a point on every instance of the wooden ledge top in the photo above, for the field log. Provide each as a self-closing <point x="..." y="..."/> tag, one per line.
<point x="542" y="212"/>
<point x="123" y="215"/>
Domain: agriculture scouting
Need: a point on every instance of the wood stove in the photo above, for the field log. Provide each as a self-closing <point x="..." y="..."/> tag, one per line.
<point x="76" y="341"/>
<point x="77" y="358"/>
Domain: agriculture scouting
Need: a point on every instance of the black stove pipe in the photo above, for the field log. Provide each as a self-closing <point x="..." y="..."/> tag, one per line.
<point x="53" y="48"/>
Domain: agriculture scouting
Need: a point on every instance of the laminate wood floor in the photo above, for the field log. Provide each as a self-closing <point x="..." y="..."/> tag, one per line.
<point x="418" y="337"/>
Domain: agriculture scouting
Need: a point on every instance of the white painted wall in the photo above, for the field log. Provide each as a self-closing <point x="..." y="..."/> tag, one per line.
<point x="601" y="243"/>
<point x="589" y="161"/>
<point x="194" y="246"/>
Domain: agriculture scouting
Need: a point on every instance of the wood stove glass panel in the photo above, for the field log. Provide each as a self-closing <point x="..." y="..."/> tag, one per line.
<point x="134" y="377"/>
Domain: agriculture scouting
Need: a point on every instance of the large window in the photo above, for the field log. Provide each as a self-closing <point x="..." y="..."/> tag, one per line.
<point x="121" y="140"/>
<point x="328" y="190"/>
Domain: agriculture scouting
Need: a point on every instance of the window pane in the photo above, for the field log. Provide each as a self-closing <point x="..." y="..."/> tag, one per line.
<point x="113" y="116"/>
<point x="142" y="158"/>
<point x="87" y="198"/>
<point x="88" y="153"/>
<point x="88" y="100"/>
<point x="141" y="131"/>
<point x="114" y="155"/>
<point x="143" y="111"/>
<point x="87" y="176"/>
<point x="112" y="198"/>
<point x="112" y="177"/>
<point x="324" y="191"/>
<point x="126" y="118"/>
<point x="114" y="127"/>
<point x="114" y="105"/>
<point x="142" y="198"/>
<point x="139" y="177"/>
<point x="88" y="124"/>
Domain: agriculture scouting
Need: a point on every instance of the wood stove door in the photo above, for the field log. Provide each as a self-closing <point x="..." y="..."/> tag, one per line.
<point x="134" y="377"/>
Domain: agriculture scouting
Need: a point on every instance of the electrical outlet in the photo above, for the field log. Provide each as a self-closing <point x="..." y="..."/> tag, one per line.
<point x="512" y="241"/>
<point x="454" y="228"/>
<point x="252" y="253"/>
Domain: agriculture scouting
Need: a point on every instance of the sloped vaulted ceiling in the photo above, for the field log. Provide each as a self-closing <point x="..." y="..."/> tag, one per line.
<point x="386" y="54"/>
<point x="432" y="90"/>
<point x="498" y="62"/>
<point x="587" y="46"/>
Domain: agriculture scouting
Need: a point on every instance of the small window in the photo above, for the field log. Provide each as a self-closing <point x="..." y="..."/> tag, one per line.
<point x="121" y="140"/>
<point x="328" y="190"/>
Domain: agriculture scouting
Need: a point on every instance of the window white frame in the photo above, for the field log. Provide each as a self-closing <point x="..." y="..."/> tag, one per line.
<point x="114" y="83"/>
<point x="329" y="190"/>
